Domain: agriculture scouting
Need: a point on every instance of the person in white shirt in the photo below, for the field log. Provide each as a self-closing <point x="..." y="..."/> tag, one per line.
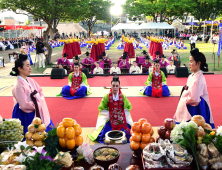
<point x="135" y="69"/>
<point x="151" y="67"/>
<point x="115" y="69"/>
<point x="192" y="41"/>
<point x="171" y="68"/>
<point x="97" y="69"/>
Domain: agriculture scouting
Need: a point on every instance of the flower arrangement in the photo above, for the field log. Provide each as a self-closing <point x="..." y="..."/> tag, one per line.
<point x="85" y="152"/>
<point x="34" y="158"/>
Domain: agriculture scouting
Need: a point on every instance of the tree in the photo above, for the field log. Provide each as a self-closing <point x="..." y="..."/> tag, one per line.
<point x="97" y="10"/>
<point x="165" y="9"/>
<point x="28" y="22"/>
<point x="50" y="11"/>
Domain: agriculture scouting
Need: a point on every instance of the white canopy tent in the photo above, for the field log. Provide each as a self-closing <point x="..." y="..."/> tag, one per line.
<point x="144" y="27"/>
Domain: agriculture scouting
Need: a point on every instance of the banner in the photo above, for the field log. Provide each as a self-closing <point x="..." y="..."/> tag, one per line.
<point x="220" y="42"/>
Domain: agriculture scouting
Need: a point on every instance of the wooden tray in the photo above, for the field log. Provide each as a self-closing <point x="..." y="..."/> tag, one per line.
<point x="184" y="168"/>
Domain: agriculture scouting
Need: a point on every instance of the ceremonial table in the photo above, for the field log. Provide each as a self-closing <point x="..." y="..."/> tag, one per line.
<point x="126" y="157"/>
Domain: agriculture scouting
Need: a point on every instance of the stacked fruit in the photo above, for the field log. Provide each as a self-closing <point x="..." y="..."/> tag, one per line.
<point x="69" y="133"/>
<point x="141" y="132"/>
<point x="11" y="131"/>
<point x="165" y="131"/>
<point x="36" y="133"/>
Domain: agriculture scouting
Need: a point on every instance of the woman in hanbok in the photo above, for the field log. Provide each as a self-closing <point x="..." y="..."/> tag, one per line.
<point x="25" y="47"/>
<point x="77" y="87"/>
<point x="194" y="99"/>
<point x="114" y="113"/>
<point x="156" y="83"/>
<point x="28" y="96"/>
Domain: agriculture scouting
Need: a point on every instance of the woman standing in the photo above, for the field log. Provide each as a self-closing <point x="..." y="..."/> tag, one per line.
<point x="194" y="98"/>
<point x="28" y="96"/>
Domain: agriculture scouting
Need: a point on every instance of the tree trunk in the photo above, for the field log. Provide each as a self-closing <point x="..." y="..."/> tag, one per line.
<point x="89" y="28"/>
<point x="49" y="48"/>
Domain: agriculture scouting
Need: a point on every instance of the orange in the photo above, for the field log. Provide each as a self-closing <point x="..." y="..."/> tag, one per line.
<point x="142" y="121"/>
<point x="78" y="129"/>
<point x="62" y="142"/>
<point x="136" y="127"/>
<point x="79" y="140"/>
<point x="146" y="127"/>
<point x="146" y="138"/>
<point x="134" y="145"/>
<point x="152" y="140"/>
<point x="136" y="137"/>
<point x="70" y="144"/>
<point x="151" y="132"/>
<point x="143" y="145"/>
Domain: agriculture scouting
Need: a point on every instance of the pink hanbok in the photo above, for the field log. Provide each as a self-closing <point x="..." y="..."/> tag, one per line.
<point x="24" y="108"/>
<point x="194" y="100"/>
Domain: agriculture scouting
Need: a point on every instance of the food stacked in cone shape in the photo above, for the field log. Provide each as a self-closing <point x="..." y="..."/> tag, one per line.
<point x="69" y="133"/>
<point x="36" y="133"/>
<point x="142" y="133"/>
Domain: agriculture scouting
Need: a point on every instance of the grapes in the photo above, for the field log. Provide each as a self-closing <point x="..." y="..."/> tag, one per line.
<point x="11" y="131"/>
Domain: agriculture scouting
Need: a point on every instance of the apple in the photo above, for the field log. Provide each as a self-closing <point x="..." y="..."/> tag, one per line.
<point x="161" y="131"/>
<point x="169" y="124"/>
<point x="167" y="135"/>
<point x="157" y="138"/>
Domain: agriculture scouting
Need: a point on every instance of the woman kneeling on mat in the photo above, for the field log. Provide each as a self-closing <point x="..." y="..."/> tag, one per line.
<point x="194" y="99"/>
<point x="156" y="83"/>
<point x="114" y="113"/>
<point x="28" y="96"/>
<point x="78" y="86"/>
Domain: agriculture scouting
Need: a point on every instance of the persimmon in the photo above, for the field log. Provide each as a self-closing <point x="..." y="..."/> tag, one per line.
<point x="146" y="138"/>
<point x="134" y="145"/>
<point x="79" y="140"/>
<point x="136" y="137"/>
<point x="143" y="145"/>
<point x="146" y="127"/>
<point x="151" y="132"/>
<point x="136" y="127"/>
<point x="142" y="121"/>
<point x="152" y="140"/>
<point x="131" y="139"/>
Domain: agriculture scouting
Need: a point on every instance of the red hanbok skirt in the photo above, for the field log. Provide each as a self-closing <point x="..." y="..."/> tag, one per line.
<point x="94" y="53"/>
<point x="68" y="50"/>
<point x="101" y="48"/>
<point x="130" y="50"/>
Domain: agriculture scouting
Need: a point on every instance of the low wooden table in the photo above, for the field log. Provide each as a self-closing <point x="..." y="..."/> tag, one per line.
<point x="106" y="70"/>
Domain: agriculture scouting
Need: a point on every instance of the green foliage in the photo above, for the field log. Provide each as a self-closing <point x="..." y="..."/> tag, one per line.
<point x="96" y="10"/>
<point x="189" y="142"/>
<point x="173" y="9"/>
<point x="28" y="22"/>
<point x="52" y="142"/>
<point x="38" y="163"/>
